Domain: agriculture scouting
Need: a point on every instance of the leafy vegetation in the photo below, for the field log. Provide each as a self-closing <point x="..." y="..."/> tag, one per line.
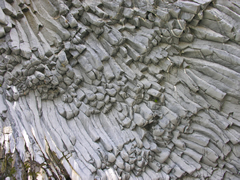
<point x="7" y="166"/>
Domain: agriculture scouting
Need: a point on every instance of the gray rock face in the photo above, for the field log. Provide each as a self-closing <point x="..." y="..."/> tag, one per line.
<point x="122" y="89"/>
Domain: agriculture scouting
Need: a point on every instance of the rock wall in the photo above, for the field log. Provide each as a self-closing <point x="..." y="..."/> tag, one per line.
<point x="123" y="89"/>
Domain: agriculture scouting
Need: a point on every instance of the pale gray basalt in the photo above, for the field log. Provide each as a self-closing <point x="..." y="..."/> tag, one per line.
<point x="120" y="89"/>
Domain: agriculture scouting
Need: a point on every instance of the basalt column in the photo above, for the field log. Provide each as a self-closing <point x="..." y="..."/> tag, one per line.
<point x="120" y="89"/>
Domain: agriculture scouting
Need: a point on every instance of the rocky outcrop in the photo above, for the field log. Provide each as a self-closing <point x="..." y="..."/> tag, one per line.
<point x="120" y="89"/>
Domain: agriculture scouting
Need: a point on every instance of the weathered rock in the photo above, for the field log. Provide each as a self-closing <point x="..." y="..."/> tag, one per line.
<point x="103" y="90"/>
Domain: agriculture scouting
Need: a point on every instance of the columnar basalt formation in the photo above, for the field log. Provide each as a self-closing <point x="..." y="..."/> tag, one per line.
<point x="120" y="89"/>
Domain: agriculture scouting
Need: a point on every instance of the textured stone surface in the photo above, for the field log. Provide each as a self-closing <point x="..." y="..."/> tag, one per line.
<point x="121" y="89"/>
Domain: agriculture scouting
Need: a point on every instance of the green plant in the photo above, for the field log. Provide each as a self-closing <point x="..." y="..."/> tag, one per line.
<point x="30" y="167"/>
<point x="7" y="168"/>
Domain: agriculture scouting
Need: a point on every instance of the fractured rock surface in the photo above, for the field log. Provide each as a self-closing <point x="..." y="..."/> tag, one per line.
<point x="121" y="89"/>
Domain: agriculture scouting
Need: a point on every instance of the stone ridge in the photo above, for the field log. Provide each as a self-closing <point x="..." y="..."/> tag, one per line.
<point x="122" y="89"/>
